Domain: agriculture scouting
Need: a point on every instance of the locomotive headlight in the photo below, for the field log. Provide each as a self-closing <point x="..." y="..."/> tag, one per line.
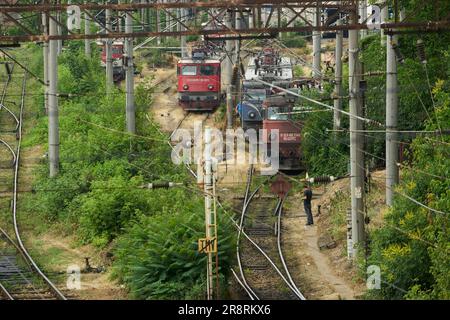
<point x="210" y="87"/>
<point x="251" y="115"/>
<point x="185" y="87"/>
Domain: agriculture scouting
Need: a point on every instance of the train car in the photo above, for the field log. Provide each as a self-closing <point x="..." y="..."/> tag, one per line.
<point x="277" y="115"/>
<point x="253" y="95"/>
<point x="117" y="58"/>
<point x="199" y="86"/>
<point x="270" y="67"/>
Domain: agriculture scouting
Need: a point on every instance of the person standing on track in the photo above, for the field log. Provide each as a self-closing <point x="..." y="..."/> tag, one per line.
<point x="307" y="196"/>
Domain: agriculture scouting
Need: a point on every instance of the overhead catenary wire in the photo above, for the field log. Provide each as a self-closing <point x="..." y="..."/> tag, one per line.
<point x="370" y="121"/>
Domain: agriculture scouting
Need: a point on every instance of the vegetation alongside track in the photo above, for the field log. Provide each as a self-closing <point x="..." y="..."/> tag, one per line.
<point x="97" y="195"/>
<point x="412" y="246"/>
<point x="151" y="234"/>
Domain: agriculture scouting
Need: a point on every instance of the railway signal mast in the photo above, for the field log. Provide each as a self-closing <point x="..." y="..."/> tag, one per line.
<point x="209" y="244"/>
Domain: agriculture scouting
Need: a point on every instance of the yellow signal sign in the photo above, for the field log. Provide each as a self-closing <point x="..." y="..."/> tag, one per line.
<point x="207" y="245"/>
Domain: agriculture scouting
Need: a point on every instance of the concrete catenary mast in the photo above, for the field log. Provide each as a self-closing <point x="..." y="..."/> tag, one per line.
<point x="338" y="79"/>
<point x="53" y="125"/>
<point x="129" y="76"/>
<point x="108" y="51"/>
<point x="356" y="138"/>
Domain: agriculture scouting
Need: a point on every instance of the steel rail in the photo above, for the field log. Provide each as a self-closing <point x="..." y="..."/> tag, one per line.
<point x="247" y="288"/>
<point x="294" y="290"/>
<point x="5" y="292"/>
<point x="247" y="199"/>
<point x="2" y="106"/>
<point x="280" y="250"/>
<point x="2" y="99"/>
<point x="242" y="284"/>
<point x="10" y="149"/>
<point x="33" y="264"/>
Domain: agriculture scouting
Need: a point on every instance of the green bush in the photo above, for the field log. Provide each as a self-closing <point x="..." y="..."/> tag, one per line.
<point x="294" y="42"/>
<point x="158" y="257"/>
<point x="98" y="192"/>
<point x="412" y="248"/>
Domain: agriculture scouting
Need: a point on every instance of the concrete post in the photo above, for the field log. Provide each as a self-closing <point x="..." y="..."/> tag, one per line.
<point x="129" y="77"/>
<point x="53" y="125"/>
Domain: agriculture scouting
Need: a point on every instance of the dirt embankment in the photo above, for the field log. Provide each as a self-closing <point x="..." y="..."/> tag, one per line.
<point x="317" y="272"/>
<point x="327" y="273"/>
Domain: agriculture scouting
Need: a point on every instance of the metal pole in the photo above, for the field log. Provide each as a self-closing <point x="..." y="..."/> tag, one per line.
<point x="208" y="208"/>
<point x="184" y="53"/>
<point x="259" y="17"/>
<point x="235" y="89"/>
<point x="167" y="24"/>
<point x="45" y="53"/>
<point x="316" y="44"/>
<point x="53" y="126"/>
<point x="59" y="29"/>
<point x="338" y="79"/>
<point x="157" y="18"/>
<point x="109" y="62"/>
<point x="383" y="18"/>
<point x="142" y="14"/>
<point x="229" y="107"/>
<point x="391" y="120"/>
<point x="279" y="12"/>
<point x="178" y="26"/>
<point x="229" y="53"/>
<point x="363" y="16"/>
<point x="130" y="110"/>
<point x="119" y="20"/>
<point x="356" y="139"/>
<point x="237" y="27"/>
<point x="87" y="31"/>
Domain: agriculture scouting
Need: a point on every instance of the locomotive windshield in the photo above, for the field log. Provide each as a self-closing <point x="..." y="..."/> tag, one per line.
<point x="206" y="70"/>
<point x="189" y="70"/>
<point x="117" y="49"/>
<point x="278" y="113"/>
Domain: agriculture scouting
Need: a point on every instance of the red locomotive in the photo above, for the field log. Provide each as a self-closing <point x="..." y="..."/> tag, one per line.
<point x="117" y="58"/>
<point x="199" y="82"/>
<point x="277" y="115"/>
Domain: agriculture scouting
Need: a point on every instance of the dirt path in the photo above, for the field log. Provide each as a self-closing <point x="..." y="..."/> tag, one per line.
<point x="57" y="253"/>
<point x="316" y="275"/>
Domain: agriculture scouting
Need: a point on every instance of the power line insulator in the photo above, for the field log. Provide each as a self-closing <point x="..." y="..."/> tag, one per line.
<point x="398" y="54"/>
<point x="234" y="76"/>
<point x="421" y="51"/>
<point x="322" y="179"/>
<point x="242" y="68"/>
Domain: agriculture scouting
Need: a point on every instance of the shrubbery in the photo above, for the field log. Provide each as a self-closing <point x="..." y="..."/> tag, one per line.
<point x="294" y="41"/>
<point x="413" y="247"/>
<point x="98" y="196"/>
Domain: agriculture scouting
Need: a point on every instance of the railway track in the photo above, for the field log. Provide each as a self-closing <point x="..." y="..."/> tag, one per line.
<point x="20" y="276"/>
<point x="263" y="270"/>
<point x="259" y="247"/>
